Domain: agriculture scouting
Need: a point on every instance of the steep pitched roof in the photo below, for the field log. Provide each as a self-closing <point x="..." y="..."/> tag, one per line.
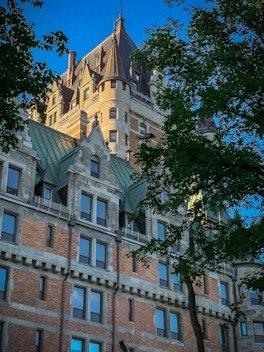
<point x="114" y="65"/>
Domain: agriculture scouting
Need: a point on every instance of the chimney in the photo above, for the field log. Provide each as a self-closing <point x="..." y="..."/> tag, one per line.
<point x="71" y="66"/>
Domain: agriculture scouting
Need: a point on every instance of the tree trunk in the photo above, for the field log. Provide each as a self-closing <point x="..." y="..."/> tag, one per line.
<point x="194" y="317"/>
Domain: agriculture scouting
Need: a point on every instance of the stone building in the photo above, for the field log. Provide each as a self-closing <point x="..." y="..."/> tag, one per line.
<point x="67" y="195"/>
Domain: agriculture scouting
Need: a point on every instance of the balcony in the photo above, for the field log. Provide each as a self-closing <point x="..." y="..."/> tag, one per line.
<point x="52" y="207"/>
<point x="133" y="235"/>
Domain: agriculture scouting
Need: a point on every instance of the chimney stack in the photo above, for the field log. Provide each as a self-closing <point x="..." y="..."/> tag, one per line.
<point x="71" y="65"/>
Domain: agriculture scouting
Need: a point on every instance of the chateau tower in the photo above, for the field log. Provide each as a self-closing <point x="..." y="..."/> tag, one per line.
<point x="106" y="86"/>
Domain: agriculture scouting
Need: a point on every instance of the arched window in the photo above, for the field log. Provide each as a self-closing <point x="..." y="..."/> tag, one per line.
<point x="95" y="166"/>
<point x="143" y="128"/>
<point x="112" y="113"/>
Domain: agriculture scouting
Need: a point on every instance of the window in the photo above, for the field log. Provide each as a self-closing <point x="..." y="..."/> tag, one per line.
<point x="77" y="345"/>
<point x="100" y="255"/>
<point x="134" y="85"/>
<point x="163" y="275"/>
<point x="94" y="347"/>
<point x="204" y="329"/>
<point x="258" y="328"/>
<point x="124" y="85"/>
<point x="126" y="139"/>
<point x="224" y="293"/>
<point x="95" y="166"/>
<point x="255" y="297"/>
<point x="112" y="113"/>
<point x="13" y="180"/>
<point x="9" y="227"/>
<point x="85" y="250"/>
<point x="50" y="236"/>
<point x="103" y="86"/>
<point x="79" y="295"/>
<point x="142" y="129"/>
<point x="161" y="230"/>
<point x="3" y="283"/>
<point x="224" y="338"/>
<point x="96" y="307"/>
<point x="38" y="340"/>
<point x="126" y="116"/>
<point x="176" y="281"/>
<point x="86" y="94"/>
<point x="175" y="326"/>
<point x="243" y="328"/>
<point x="53" y="99"/>
<point x="101" y="212"/>
<point x="42" y="287"/>
<point x="160" y="322"/>
<point x="86" y="206"/>
<point x="50" y="120"/>
<point x="131" y="309"/>
<point x="113" y="136"/>
<point x="113" y="83"/>
<point x="47" y="195"/>
<point x="55" y="117"/>
<point x="134" y="265"/>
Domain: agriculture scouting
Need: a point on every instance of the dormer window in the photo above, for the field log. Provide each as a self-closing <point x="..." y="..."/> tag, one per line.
<point x="112" y="113"/>
<point x="95" y="167"/>
<point x="143" y="129"/>
<point x="53" y="99"/>
<point x="47" y="195"/>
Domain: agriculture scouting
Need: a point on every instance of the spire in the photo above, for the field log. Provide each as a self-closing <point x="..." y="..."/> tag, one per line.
<point x="119" y="24"/>
<point x="114" y="65"/>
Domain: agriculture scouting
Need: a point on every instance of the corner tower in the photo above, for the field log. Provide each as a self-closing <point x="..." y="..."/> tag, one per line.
<point x="108" y="87"/>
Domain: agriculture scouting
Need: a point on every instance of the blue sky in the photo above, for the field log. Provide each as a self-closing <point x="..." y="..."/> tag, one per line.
<point x="87" y="22"/>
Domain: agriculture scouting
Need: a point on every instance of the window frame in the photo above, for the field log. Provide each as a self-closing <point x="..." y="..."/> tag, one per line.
<point x="254" y="335"/>
<point x="224" y="300"/>
<point x="101" y="221"/>
<point x="95" y="160"/>
<point x="177" y="335"/>
<point x="42" y="288"/>
<point x="85" y="92"/>
<point x="79" y="339"/>
<point x="7" y="212"/>
<point x="104" y="265"/>
<point x="11" y="190"/>
<point x="141" y="126"/>
<point x="165" y="231"/>
<point x="83" y="237"/>
<point x="162" y="282"/>
<point x="123" y="85"/>
<point x="111" y="139"/>
<point x="113" y="113"/>
<point x="84" y="310"/>
<point x="89" y="217"/>
<point x="158" y="330"/>
<point x="95" y="342"/>
<point x="93" y="314"/>
<point x="39" y="347"/>
<point x="113" y="84"/>
<point x="50" y="236"/>
<point x="224" y="347"/>
<point x="176" y="287"/>
<point x="131" y="310"/>
<point x="243" y="322"/>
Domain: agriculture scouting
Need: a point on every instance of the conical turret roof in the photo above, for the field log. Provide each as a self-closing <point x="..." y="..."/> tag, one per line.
<point x="114" y="65"/>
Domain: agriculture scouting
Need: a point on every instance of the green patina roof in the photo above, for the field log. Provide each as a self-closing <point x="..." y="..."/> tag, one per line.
<point x="57" y="152"/>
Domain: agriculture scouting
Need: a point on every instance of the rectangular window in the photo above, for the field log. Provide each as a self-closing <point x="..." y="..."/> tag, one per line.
<point x="50" y="236"/>
<point x="175" y="326"/>
<point x="131" y="309"/>
<point x="86" y="94"/>
<point x="258" y="328"/>
<point x="13" y="180"/>
<point x="134" y="265"/>
<point x="205" y="330"/>
<point x="9" y="226"/>
<point x="55" y="117"/>
<point x="42" y="287"/>
<point x="113" y="83"/>
<point x="103" y="86"/>
<point x="79" y="296"/>
<point x="161" y="230"/>
<point x="39" y="340"/>
<point x="160" y="322"/>
<point x="255" y="298"/>
<point x="85" y="250"/>
<point x="224" y="338"/>
<point x="124" y="85"/>
<point x="77" y="345"/>
<point x="95" y="168"/>
<point x="163" y="275"/>
<point x="101" y="212"/>
<point x="86" y="207"/>
<point x="3" y="283"/>
<point x="100" y="255"/>
<point x="126" y="139"/>
<point x="113" y="136"/>
<point x="47" y="195"/>
<point x="224" y="293"/>
<point x="96" y="307"/>
<point x="176" y="281"/>
<point x="95" y="346"/>
<point x="243" y="328"/>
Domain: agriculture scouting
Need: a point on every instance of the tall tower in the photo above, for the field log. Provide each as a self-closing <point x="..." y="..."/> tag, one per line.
<point x="108" y="86"/>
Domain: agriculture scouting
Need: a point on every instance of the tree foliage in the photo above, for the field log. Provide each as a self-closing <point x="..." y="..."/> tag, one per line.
<point x="212" y="148"/>
<point x="24" y="81"/>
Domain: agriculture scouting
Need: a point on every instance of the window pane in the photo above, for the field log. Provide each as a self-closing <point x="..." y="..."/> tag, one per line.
<point x="8" y="227"/>
<point x="113" y="136"/>
<point x="163" y="274"/>
<point x="243" y="328"/>
<point x="84" y="250"/>
<point x="255" y="298"/>
<point x="3" y="279"/>
<point x="224" y="292"/>
<point x="95" y="168"/>
<point x="174" y="326"/>
<point x="47" y="193"/>
<point x="100" y="254"/>
<point x="86" y="205"/>
<point x="112" y="113"/>
<point x="79" y="302"/>
<point x="76" y="345"/>
<point x="94" y="347"/>
<point x="96" y="306"/>
<point x="13" y="180"/>
<point x="50" y="236"/>
<point x="160" y="319"/>
<point x="101" y="212"/>
<point x="161" y="230"/>
<point x="176" y="280"/>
